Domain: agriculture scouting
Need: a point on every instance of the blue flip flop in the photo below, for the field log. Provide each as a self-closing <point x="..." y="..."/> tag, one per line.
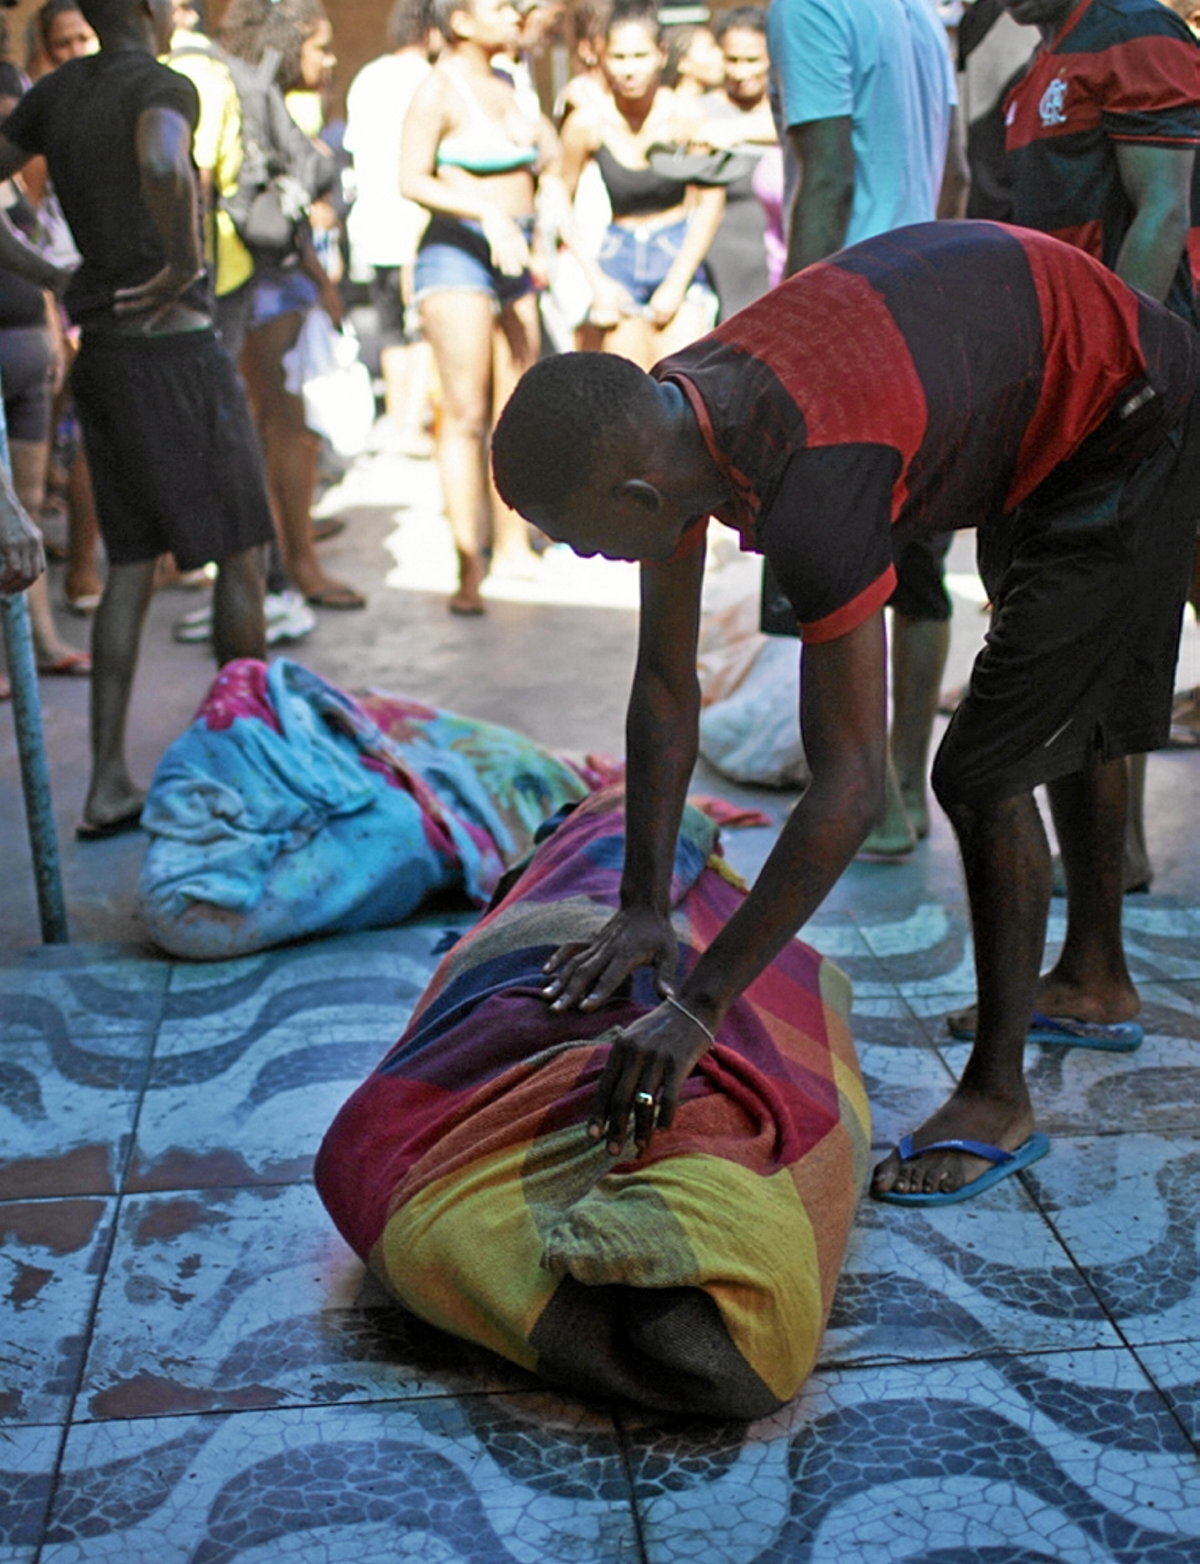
<point x="1117" y="1037"/>
<point x="1003" y="1163"/>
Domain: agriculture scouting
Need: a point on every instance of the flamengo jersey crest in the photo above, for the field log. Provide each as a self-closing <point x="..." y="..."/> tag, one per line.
<point x="1053" y="105"/>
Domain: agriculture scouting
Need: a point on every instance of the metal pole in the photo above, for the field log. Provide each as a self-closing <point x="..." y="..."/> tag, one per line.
<point x="31" y="752"/>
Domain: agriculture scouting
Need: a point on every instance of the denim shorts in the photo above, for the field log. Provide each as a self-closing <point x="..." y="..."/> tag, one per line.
<point x="453" y="254"/>
<point x="639" y="258"/>
<point x="280" y="293"/>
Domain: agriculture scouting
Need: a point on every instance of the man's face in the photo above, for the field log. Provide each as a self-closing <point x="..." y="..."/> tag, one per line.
<point x="68" y="36"/>
<point x="1049" y="14"/>
<point x="614" y="521"/>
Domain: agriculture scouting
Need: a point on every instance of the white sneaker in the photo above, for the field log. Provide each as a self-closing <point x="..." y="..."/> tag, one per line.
<point x="288" y="617"/>
<point x="195" y="625"/>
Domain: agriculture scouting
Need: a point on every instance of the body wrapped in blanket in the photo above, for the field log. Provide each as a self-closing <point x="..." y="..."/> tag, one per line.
<point x="695" y="1279"/>
<point x="290" y="808"/>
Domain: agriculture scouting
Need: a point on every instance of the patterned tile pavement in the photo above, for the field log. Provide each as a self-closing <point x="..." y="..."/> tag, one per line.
<point x="194" y="1369"/>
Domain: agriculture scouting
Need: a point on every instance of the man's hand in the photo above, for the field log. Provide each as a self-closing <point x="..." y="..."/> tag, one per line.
<point x="649" y="1063"/>
<point x="22" y="559"/>
<point x="151" y="300"/>
<point x="584" y="976"/>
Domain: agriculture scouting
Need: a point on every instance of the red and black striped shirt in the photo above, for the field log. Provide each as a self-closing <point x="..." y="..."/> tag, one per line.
<point x="925" y="380"/>
<point x="1118" y="71"/>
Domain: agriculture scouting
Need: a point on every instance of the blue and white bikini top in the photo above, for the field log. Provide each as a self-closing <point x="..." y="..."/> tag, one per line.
<point x="486" y="146"/>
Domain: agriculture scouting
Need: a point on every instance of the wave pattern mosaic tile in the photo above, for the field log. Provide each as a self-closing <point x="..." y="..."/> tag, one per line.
<point x="194" y="1370"/>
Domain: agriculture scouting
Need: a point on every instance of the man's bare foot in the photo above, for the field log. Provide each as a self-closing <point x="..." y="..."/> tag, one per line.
<point x="107" y="806"/>
<point x="1057" y="997"/>
<point x="966" y="1116"/>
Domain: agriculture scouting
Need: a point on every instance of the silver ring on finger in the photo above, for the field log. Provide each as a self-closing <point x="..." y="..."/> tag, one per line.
<point x="643" y="1099"/>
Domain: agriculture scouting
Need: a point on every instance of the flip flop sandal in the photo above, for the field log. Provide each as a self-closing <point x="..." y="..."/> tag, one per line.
<point x="326" y="527"/>
<point x="1004" y="1164"/>
<point x="71" y="665"/>
<point x="1117" y="1037"/>
<point x="339" y="597"/>
<point x="93" y="831"/>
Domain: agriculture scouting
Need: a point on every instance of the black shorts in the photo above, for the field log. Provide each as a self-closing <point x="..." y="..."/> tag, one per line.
<point x="921" y="577"/>
<point x="1088" y="585"/>
<point x="174" y="458"/>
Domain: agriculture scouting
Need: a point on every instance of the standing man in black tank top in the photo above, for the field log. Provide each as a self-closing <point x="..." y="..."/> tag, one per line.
<point x="173" y="455"/>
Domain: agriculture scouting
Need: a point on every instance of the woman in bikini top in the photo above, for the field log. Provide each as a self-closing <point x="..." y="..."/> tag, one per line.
<point x="472" y="157"/>
<point x="647" y="299"/>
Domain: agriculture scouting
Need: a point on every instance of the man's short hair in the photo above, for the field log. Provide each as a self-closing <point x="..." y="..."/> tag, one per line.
<point x="565" y="415"/>
<point x="409" y="22"/>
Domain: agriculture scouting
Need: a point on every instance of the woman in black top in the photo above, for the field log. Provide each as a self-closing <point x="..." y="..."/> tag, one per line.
<point x="649" y="294"/>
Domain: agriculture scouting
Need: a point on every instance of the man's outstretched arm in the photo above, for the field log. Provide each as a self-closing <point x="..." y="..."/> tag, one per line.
<point x="661" y="745"/>
<point x="844" y="722"/>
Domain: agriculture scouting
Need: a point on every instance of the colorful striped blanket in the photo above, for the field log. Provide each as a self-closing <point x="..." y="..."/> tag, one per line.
<point x="696" y="1279"/>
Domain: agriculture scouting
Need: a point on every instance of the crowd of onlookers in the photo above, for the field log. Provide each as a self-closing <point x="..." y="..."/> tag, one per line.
<point x="543" y="178"/>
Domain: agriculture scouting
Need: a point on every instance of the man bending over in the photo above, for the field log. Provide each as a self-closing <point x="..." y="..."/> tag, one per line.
<point x="936" y="375"/>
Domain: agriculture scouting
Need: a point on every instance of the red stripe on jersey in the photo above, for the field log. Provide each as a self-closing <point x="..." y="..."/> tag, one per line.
<point x="852" y="614"/>
<point x="1085" y="325"/>
<point x="1150" y="75"/>
<point x="1088" y="237"/>
<point x="836" y="350"/>
<point x="1193" y="250"/>
<point x="1066" y="94"/>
